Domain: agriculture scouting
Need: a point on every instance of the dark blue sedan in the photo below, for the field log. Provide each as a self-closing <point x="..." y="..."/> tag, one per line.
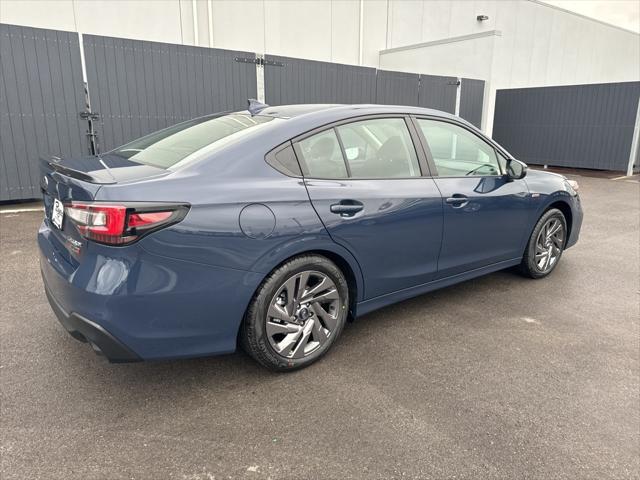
<point x="270" y="228"/>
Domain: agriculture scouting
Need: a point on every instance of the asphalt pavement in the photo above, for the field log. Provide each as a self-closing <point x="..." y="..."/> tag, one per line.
<point x="500" y="377"/>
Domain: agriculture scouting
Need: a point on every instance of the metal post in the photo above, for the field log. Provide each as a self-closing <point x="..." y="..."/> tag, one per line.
<point x="196" y="34"/>
<point x="260" y="77"/>
<point x="87" y="114"/>
<point x="635" y="143"/>
<point x="458" y="91"/>
<point x="361" y="33"/>
<point x="210" y="18"/>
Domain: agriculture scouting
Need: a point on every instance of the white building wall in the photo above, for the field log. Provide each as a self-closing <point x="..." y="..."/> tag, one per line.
<point x="466" y="56"/>
<point x="536" y="45"/>
<point x="156" y="20"/>
<point x="533" y="45"/>
<point x="329" y="29"/>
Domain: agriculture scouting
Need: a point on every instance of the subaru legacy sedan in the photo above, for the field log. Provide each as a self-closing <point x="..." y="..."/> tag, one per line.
<point x="270" y="228"/>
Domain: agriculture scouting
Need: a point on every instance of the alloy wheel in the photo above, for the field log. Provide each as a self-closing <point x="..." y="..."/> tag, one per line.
<point x="303" y="314"/>
<point x="549" y="244"/>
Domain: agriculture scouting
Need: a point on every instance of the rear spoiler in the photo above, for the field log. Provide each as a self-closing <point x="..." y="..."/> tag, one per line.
<point x="54" y="164"/>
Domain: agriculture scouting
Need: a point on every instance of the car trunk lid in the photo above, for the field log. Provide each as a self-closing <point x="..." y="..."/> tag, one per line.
<point x="79" y="180"/>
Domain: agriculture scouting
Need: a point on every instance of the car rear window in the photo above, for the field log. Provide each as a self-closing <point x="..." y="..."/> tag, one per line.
<point x="167" y="147"/>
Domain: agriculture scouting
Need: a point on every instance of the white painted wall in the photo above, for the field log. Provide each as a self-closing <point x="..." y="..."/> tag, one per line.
<point x="532" y="45"/>
<point x="539" y="45"/>
<point x="465" y="56"/>
<point x="329" y="29"/>
<point x="315" y="29"/>
<point x="141" y="19"/>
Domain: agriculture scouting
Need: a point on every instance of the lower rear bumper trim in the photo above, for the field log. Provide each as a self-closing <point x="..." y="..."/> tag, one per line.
<point x="85" y="330"/>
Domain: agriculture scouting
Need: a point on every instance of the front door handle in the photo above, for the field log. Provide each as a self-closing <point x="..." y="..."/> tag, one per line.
<point x="347" y="208"/>
<point x="457" y="200"/>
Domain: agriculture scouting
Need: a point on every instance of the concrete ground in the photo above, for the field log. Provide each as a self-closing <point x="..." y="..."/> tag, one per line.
<point x="500" y="377"/>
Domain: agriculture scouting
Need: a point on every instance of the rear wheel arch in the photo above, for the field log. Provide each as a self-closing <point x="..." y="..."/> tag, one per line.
<point x="310" y="245"/>
<point x="343" y="260"/>
<point x="349" y="274"/>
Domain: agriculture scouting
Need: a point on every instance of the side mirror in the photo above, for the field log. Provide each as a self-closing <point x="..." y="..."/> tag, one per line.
<point x="516" y="169"/>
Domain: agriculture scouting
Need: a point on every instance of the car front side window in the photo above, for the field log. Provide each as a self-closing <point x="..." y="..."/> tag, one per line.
<point x="457" y="152"/>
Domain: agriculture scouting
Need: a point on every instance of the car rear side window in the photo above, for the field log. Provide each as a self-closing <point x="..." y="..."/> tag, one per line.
<point x="284" y="160"/>
<point x="322" y="156"/>
<point x="372" y="148"/>
<point x="167" y="147"/>
<point x="379" y="148"/>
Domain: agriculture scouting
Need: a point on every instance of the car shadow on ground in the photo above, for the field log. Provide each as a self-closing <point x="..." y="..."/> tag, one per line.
<point x="238" y="370"/>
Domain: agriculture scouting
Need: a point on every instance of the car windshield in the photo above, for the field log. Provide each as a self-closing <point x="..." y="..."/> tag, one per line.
<point x="170" y="146"/>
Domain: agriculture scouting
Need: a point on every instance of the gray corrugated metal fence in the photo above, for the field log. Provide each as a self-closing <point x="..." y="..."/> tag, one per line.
<point x="438" y="92"/>
<point x="471" y="100"/>
<point x="139" y="87"/>
<point x="41" y="94"/>
<point x="397" y="88"/>
<point x="296" y="80"/>
<point x="308" y="81"/>
<point x="431" y="91"/>
<point x="579" y="126"/>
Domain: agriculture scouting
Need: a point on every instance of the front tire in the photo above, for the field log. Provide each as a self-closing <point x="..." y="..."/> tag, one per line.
<point x="545" y="245"/>
<point x="297" y="313"/>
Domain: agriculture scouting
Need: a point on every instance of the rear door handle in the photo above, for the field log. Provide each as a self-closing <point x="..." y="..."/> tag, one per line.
<point x="457" y="200"/>
<point x="347" y="208"/>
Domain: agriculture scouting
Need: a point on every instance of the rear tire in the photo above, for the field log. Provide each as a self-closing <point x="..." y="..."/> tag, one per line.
<point x="297" y="313"/>
<point x="545" y="245"/>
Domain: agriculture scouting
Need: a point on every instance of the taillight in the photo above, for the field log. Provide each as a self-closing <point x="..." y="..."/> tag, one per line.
<point x="120" y="224"/>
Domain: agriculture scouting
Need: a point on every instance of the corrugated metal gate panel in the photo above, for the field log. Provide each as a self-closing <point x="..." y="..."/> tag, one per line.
<point x="471" y="100"/>
<point x="41" y="96"/>
<point x="579" y="126"/>
<point x="397" y="88"/>
<point x="139" y="87"/>
<point x="309" y="81"/>
<point x="438" y="93"/>
<point x="636" y="160"/>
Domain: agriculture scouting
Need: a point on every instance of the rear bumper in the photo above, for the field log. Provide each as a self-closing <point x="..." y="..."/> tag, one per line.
<point x="136" y="305"/>
<point x="85" y="330"/>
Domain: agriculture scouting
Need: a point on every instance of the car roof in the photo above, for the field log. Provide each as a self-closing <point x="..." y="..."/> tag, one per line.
<point x="293" y="121"/>
<point x="296" y="120"/>
<point x="345" y="111"/>
<point x="290" y="111"/>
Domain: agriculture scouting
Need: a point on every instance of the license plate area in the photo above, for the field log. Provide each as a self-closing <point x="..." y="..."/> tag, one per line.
<point x="57" y="214"/>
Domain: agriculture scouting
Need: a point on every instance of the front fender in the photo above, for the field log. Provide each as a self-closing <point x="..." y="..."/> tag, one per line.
<point x="569" y="204"/>
<point x="550" y="199"/>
